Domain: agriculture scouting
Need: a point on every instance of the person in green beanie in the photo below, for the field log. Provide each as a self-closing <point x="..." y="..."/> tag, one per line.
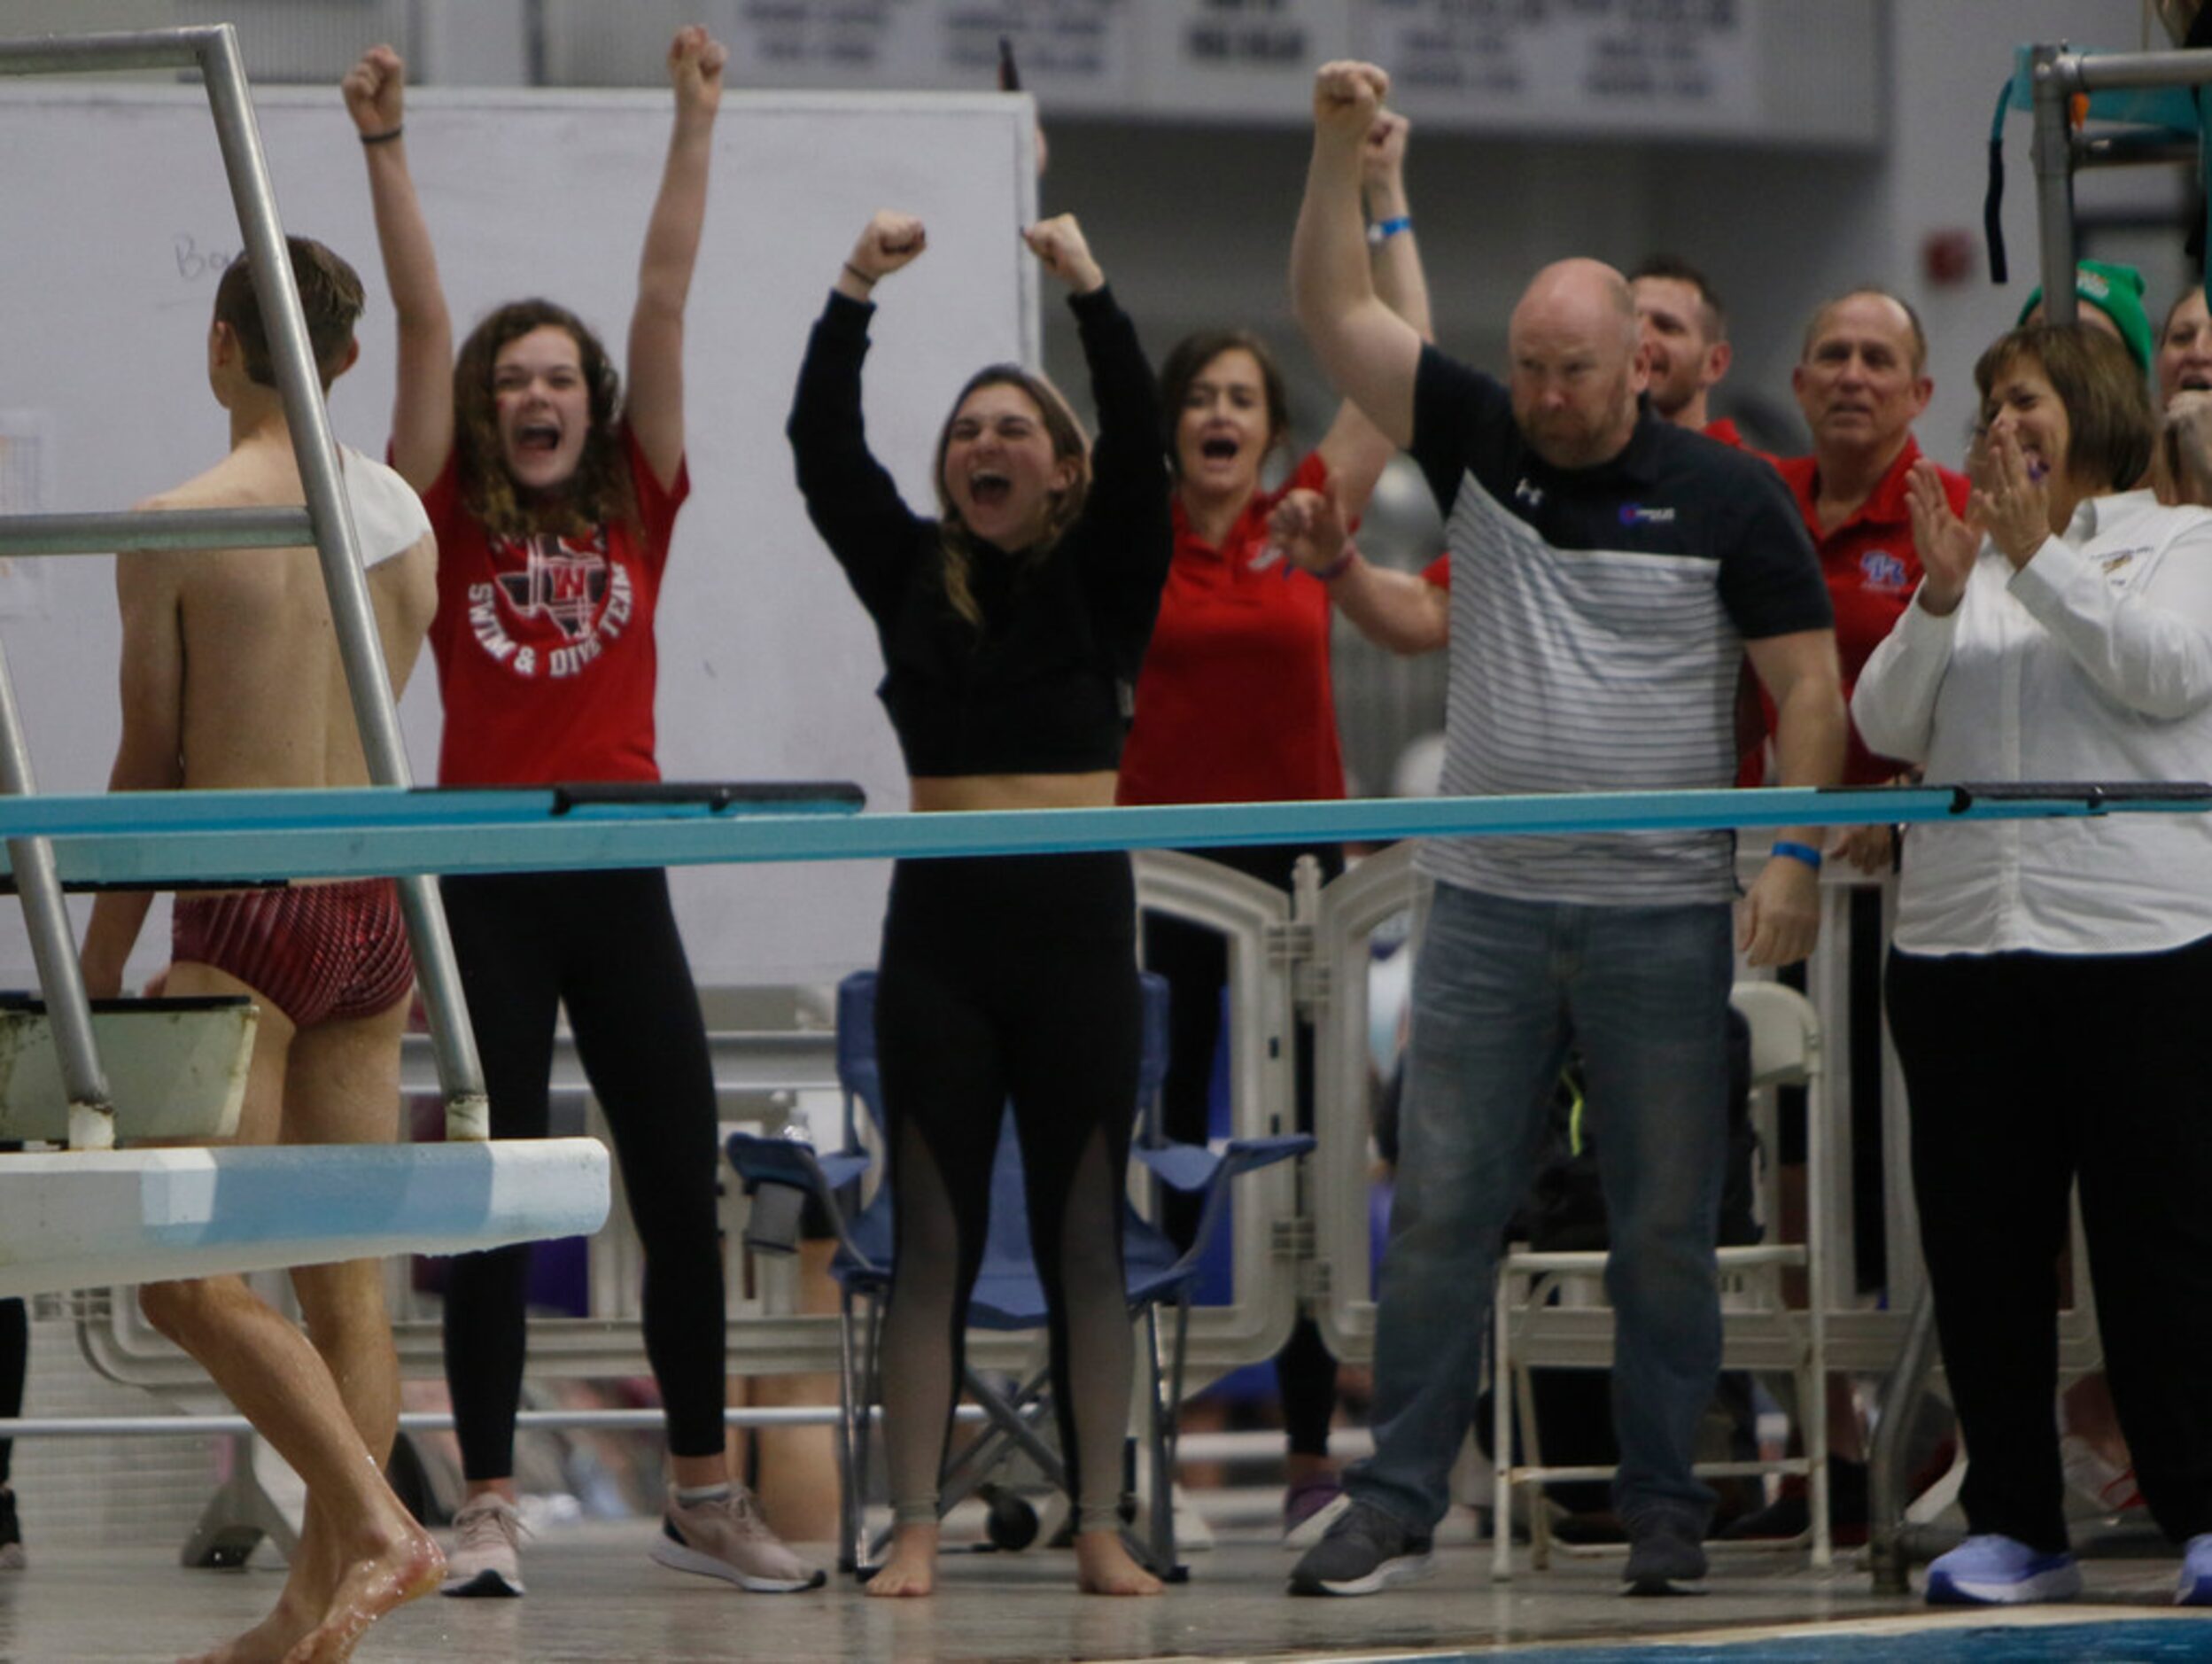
<point x="2111" y="299"/>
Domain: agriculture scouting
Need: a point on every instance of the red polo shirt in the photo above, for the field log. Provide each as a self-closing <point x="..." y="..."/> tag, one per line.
<point x="1871" y="570"/>
<point x="1235" y="703"/>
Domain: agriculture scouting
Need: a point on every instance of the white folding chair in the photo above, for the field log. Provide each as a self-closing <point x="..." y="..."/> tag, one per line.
<point x="1533" y="1330"/>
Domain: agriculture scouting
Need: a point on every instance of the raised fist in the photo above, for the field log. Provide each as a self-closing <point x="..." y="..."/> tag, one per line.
<point x="373" y="89"/>
<point x="1347" y="96"/>
<point x="890" y="241"/>
<point x="695" y="69"/>
<point x="1059" y="242"/>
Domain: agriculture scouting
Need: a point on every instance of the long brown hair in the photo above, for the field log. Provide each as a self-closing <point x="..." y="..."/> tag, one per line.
<point x="598" y="492"/>
<point x="1070" y="443"/>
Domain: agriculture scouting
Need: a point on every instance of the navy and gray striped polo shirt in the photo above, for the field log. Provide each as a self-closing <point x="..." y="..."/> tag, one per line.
<point x="1597" y="629"/>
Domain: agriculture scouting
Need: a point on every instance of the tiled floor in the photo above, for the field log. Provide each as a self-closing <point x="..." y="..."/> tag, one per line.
<point x="594" y="1597"/>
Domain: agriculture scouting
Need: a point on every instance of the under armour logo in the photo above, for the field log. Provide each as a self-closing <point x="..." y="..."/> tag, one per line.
<point x="1530" y="495"/>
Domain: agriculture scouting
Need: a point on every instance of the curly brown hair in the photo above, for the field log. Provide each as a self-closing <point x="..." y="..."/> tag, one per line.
<point x="1070" y="443"/>
<point x="598" y="493"/>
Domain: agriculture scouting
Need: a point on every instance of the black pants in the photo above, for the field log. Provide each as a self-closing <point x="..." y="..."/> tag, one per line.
<point x="605" y="944"/>
<point x="1194" y="959"/>
<point x="2027" y="1072"/>
<point x="15" y="1362"/>
<point x="1009" y="979"/>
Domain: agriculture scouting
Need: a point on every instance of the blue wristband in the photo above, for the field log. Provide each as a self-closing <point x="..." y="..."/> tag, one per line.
<point x="1804" y="853"/>
<point x="1383" y="230"/>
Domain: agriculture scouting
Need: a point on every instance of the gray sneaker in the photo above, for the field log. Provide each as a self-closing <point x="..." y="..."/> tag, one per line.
<point x="1663" y="1550"/>
<point x="482" y="1562"/>
<point x="1364" y="1553"/>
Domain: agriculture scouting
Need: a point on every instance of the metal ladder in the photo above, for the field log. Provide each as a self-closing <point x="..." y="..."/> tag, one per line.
<point x="326" y="522"/>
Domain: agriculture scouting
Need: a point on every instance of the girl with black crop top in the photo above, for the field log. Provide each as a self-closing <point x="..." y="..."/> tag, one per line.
<point x="1013" y="626"/>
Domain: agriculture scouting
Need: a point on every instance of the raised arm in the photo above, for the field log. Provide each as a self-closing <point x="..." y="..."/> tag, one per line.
<point x="656" y="405"/>
<point x="1401" y="611"/>
<point x="150" y="756"/>
<point x="1129" y="483"/>
<point x="1370" y="354"/>
<point x="422" y="404"/>
<point x="1128" y="453"/>
<point x="849" y="496"/>
<point x="1356" y="450"/>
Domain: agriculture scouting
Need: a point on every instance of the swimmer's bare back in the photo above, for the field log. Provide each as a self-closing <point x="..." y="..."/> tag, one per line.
<point x="263" y="694"/>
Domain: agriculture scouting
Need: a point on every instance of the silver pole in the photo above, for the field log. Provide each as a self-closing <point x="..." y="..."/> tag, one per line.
<point x="54" y="948"/>
<point x="1885" y="1462"/>
<point x="2054" y="187"/>
<point x="167" y="529"/>
<point x="132" y="49"/>
<point x="338" y="547"/>
<point x="2107" y="71"/>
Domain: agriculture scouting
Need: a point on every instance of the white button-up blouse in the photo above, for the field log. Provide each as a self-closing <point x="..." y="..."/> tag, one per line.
<point x="2093" y="662"/>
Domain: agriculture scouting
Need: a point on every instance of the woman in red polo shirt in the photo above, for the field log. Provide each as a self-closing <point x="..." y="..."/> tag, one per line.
<point x="1235" y="703"/>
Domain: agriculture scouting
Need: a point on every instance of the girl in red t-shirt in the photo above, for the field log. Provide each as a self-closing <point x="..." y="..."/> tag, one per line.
<point x="1235" y="703"/>
<point x="552" y="499"/>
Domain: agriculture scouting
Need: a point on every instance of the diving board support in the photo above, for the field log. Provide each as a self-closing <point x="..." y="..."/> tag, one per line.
<point x="213" y="50"/>
<point x="2059" y="74"/>
<point x="2053" y="156"/>
<point x="83" y="1218"/>
<point x="91" y="1112"/>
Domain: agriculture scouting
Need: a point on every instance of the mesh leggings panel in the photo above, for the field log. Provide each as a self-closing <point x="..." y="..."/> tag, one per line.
<point x="1009" y="983"/>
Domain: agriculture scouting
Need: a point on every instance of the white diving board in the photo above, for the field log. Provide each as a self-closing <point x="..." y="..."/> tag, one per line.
<point x="77" y="1219"/>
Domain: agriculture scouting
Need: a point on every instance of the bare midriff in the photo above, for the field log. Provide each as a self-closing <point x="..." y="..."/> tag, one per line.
<point x="932" y="793"/>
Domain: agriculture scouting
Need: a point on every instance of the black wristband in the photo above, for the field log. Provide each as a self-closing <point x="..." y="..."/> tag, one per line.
<point x="385" y="138"/>
<point x="862" y="276"/>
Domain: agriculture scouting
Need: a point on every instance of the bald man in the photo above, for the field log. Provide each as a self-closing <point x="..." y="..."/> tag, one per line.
<point x="1610" y="571"/>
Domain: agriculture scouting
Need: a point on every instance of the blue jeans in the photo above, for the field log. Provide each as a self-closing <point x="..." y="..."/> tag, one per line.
<point x="1500" y="990"/>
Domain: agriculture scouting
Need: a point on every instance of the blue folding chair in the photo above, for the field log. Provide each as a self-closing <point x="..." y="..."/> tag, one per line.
<point x="780" y="1174"/>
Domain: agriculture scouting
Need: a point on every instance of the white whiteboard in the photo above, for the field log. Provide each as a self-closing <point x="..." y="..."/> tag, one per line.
<point x="118" y="224"/>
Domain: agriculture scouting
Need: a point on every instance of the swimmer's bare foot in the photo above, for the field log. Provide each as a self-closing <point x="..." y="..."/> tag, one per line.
<point x="411" y="1567"/>
<point x="912" y="1569"/>
<point x="266" y="1643"/>
<point x="1103" y="1566"/>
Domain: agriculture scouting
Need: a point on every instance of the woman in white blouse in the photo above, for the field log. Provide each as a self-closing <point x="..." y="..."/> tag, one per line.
<point x="2050" y="985"/>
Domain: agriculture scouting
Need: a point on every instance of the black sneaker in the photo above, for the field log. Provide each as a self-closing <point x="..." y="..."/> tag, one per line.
<point x="10" y="1534"/>
<point x="1663" y="1551"/>
<point x="1364" y="1553"/>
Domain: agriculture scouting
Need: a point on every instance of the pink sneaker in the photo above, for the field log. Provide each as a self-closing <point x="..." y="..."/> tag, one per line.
<point x="482" y="1562"/>
<point x="727" y="1538"/>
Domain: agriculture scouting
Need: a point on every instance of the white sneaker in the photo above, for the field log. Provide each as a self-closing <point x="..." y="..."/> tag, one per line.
<point x="728" y="1539"/>
<point x="482" y="1561"/>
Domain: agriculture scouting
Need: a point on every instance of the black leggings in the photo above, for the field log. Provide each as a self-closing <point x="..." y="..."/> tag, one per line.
<point x="1194" y="959"/>
<point x="605" y="944"/>
<point x="2029" y="1073"/>
<point x="15" y="1362"/>
<point x="1010" y="979"/>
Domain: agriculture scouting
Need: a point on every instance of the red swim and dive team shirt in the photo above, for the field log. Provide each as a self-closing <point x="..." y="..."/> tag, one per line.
<point x="544" y="647"/>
